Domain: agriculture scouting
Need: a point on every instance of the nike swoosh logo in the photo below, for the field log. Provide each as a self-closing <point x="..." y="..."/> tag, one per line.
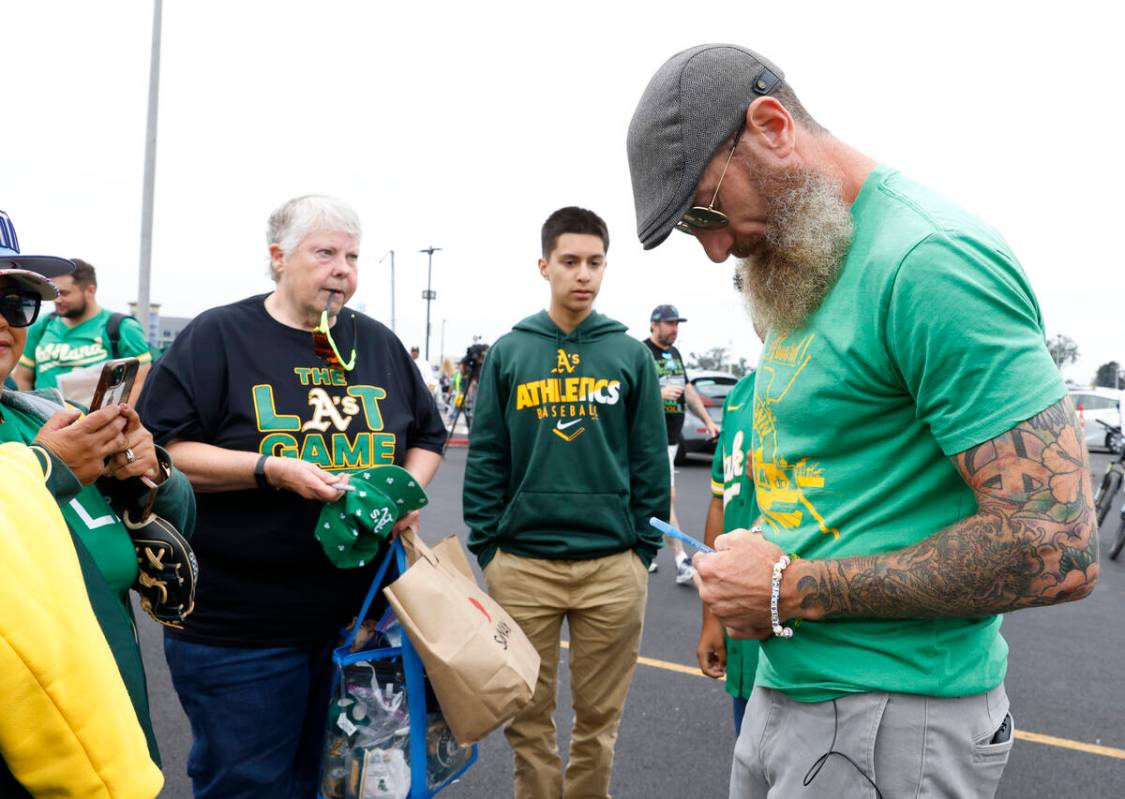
<point x="559" y="424"/>
<point x="735" y="407"/>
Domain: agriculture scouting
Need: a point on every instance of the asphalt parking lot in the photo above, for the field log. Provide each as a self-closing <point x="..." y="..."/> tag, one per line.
<point x="1066" y="681"/>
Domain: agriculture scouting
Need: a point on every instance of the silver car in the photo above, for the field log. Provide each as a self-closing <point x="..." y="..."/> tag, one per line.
<point x="713" y="388"/>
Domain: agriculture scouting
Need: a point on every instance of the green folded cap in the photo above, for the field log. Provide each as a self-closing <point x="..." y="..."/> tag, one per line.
<point x="352" y="528"/>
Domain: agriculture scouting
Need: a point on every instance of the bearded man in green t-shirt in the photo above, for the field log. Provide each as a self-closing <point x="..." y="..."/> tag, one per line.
<point x="77" y="338"/>
<point x="916" y="459"/>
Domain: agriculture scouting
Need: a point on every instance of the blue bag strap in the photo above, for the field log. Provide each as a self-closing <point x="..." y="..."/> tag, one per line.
<point x="416" y="697"/>
<point x="376" y="584"/>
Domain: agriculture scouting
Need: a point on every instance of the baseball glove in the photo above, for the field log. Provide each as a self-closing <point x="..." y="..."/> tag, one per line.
<point x="166" y="569"/>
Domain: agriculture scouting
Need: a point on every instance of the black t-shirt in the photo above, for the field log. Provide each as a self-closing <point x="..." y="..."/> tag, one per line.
<point x="670" y="369"/>
<point x="239" y="379"/>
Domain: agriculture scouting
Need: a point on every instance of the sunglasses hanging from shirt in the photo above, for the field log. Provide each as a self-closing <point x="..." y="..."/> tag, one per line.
<point x="325" y="347"/>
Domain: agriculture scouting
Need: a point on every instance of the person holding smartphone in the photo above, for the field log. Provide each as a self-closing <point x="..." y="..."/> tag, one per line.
<point x="67" y="728"/>
<point x="265" y="403"/>
<point x="92" y="465"/>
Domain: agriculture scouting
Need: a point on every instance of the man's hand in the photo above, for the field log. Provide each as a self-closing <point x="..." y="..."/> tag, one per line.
<point x="138" y="440"/>
<point x="83" y="444"/>
<point x="735" y="582"/>
<point x="713" y="430"/>
<point x="712" y="649"/>
<point x="303" y="478"/>
<point x="671" y="392"/>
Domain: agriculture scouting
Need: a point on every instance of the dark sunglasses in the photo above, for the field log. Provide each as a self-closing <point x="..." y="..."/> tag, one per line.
<point x="325" y="347"/>
<point x="20" y="308"/>
<point x="710" y="218"/>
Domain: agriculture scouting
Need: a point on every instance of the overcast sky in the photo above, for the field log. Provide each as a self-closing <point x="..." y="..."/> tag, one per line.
<point x="462" y="125"/>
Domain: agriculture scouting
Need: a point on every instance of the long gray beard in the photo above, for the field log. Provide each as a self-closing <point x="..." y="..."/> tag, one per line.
<point x="806" y="239"/>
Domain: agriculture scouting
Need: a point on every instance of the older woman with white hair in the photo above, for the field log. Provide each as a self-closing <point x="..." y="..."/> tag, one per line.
<point x="263" y="403"/>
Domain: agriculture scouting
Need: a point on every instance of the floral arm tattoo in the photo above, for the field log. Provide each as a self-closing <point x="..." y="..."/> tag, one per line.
<point x="1032" y="541"/>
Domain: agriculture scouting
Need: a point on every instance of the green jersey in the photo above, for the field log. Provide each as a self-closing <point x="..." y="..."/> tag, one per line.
<point x="54" y="348"/>
<point x="930" y="343"/>
<point x="88" y="514"/>
<point x="732" y="480"/>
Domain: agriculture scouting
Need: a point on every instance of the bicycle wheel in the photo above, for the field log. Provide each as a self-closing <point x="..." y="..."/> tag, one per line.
<point x="1103" y="500"/>
<point x="1119" y="544"/>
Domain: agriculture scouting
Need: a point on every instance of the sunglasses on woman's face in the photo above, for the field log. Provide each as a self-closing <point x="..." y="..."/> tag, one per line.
<point x="325" y="347"/>
<point x="19" y="307"/>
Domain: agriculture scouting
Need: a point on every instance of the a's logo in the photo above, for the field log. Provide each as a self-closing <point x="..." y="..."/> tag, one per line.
<point x="380" y="518"/>
<point x="565" y="362"/>
<point x="566" y="398"/>
<point x="560" y="425"/>
<point x="325" y="412"/>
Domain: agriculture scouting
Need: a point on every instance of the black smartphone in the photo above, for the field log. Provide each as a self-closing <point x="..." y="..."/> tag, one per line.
<point x="116" y="383"/>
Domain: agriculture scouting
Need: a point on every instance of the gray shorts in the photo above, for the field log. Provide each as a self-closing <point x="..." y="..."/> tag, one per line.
<point x="908" y="745"/>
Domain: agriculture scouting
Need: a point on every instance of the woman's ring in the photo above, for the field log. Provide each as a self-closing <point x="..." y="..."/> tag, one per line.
<point x="129" y="456"/>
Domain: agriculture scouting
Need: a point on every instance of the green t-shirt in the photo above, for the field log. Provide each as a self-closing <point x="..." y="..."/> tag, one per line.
<point x="732" y="480"/>
<point x="54" y="348"/>
<point x="931" y="342"/>
<point x="88" y="514"/>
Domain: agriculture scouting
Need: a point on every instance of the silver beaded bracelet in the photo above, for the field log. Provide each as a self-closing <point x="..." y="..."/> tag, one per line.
<point x="775" y="592"/>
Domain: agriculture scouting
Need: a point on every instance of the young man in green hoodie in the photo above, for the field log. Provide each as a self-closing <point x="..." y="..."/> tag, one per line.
<point x="567" y="462"/>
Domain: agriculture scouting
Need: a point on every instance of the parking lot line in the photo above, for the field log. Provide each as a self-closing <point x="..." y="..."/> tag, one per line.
<point x="1022" y="735"/>
<point x="1066" y="743"/>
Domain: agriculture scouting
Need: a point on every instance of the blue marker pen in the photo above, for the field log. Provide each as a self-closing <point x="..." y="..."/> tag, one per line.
<point x="669" y="530"/>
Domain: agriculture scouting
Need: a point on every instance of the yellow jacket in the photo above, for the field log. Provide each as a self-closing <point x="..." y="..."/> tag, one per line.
<point x="67" y="726"/>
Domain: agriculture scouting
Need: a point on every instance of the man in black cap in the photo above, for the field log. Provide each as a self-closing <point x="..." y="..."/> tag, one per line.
<point x="676" y="391"/>
<point x="916" y="458"/>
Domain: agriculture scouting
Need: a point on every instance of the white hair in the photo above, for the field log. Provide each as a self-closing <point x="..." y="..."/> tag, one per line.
<point x="290" y="223"/>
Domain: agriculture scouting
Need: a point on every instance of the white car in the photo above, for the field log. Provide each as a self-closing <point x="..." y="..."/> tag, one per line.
<point x="1096" y="405"/>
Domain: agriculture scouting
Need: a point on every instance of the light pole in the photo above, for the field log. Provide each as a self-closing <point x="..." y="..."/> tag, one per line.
<point x="143" y="281"/>
<point x="429" y="294"/>
<point x="392" y="254"/>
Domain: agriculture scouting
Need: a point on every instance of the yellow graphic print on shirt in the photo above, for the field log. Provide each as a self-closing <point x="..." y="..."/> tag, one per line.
<point x="570" y="401"/>
<point x="366" y="446"/>
<point x="782" y="487"/>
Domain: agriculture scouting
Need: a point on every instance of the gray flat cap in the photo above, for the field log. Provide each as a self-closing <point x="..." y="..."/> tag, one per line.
<point x="694" y="102"/>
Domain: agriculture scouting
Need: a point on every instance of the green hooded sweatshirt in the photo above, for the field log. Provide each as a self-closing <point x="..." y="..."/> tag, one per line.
<point x="568" y="455"/>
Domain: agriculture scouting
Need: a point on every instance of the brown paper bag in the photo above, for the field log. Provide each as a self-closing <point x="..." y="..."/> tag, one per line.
<point x="448" y="551"/>
<point x="482" y="667"/>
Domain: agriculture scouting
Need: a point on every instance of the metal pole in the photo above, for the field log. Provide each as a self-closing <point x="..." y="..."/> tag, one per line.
<point x="143" y="282"/>
<point x="429" y="292"/>
<point x="392" y="254"/>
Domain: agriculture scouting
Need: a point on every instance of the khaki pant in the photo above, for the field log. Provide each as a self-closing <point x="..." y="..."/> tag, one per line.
<point x="603" y="601"/>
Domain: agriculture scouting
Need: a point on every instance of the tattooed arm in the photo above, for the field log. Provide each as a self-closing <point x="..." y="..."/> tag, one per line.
<point x="1033" y="540"/>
